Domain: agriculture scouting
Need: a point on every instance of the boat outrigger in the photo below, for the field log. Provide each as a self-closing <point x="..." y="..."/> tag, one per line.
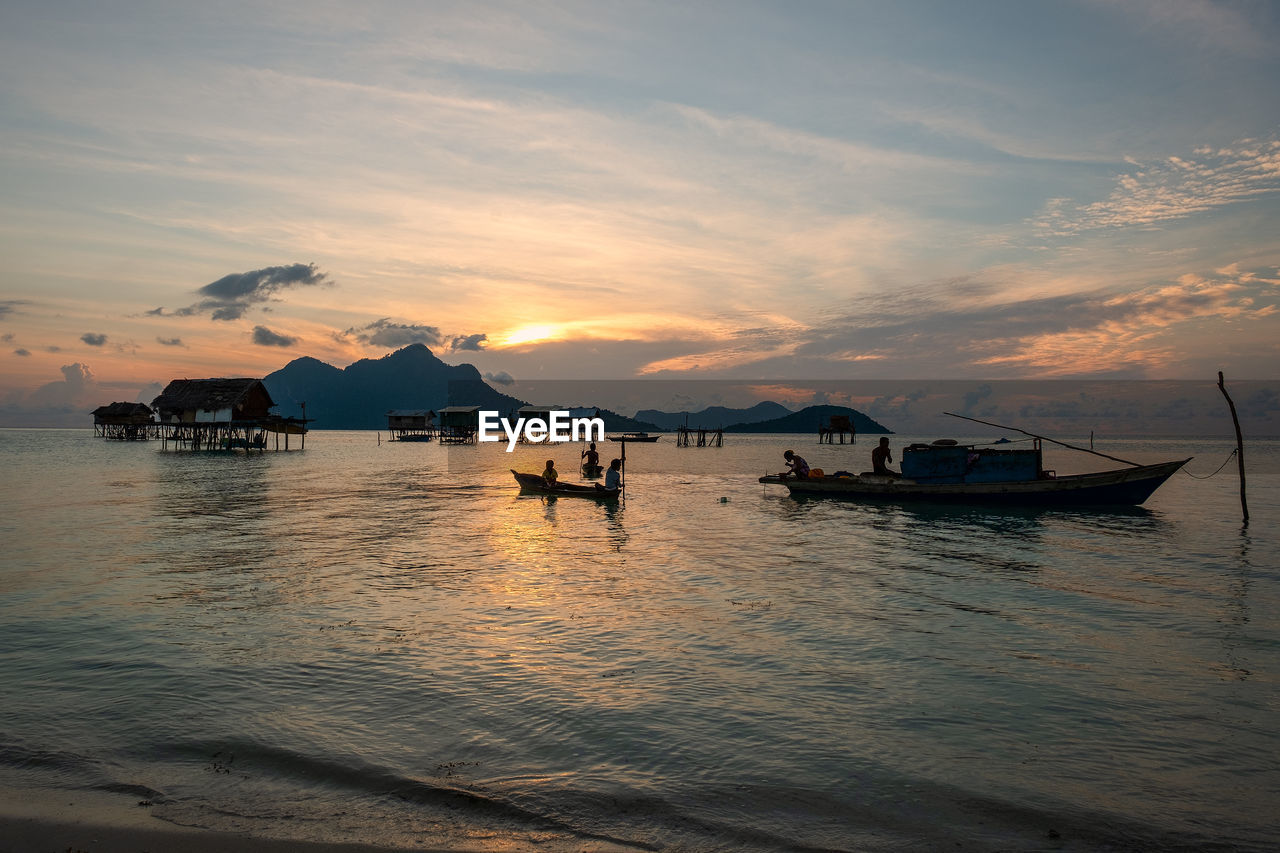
<point x="970" y="473"/>
<point x="535" y="484"/>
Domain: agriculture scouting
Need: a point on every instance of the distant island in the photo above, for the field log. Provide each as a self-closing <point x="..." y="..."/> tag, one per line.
<point x="713" y="417"/>
<point x="809" y="419"/>
<point x="360" y="395"/>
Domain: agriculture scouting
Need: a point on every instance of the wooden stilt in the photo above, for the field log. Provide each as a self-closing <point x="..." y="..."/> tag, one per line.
<point x="1244" y="503"/>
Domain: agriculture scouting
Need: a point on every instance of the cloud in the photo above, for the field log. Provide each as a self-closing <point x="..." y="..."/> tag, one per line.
<point x="1173" y="188"/>
<point x="94" y="339"/>
<point x="473" y="343"/>
<point x="75" y="390"/>
<point x="231" y="296"/>
<point x="384" y="333"/>
<point x="960" y="327"/>
<point x="264" y="337"/>
<point x="169" y="342"/>
<point x="9" y="306"/>
<point x="22" y="352"/>
<point x="500" y="378"/>
<point x="65" y="402"/>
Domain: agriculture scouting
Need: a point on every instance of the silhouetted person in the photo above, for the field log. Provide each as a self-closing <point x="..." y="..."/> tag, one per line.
<point x="796" y="466"/>
<point x="880" y="457"/>
<point x="613" y="477"/>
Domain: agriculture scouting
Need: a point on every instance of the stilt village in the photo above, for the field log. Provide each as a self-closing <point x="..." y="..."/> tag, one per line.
<point x="235" y="414"/>
<point x="205" y="414"/>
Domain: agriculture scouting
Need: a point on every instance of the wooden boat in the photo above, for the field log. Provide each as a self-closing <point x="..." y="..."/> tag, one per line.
<point x="592" y="471"/>
<point x="968" y="473"/>
<point x="633" y="436"/>
<point x="534" y="484"/>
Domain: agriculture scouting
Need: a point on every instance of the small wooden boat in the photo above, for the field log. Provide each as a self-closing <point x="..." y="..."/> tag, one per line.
<point x="633" y="436"/>
<point x="534" y="484"/>
<point x="592" y="471"/>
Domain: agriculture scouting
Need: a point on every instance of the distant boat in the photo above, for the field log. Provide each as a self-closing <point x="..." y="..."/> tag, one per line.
<point x="535" y="484"/>
<point x="965" y="473"/>
<point x="592" y="471"/>
<point x="633" y="436"/>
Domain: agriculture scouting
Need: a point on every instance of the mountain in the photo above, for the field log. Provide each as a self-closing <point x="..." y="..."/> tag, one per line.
<point x="714" y="417"/>
<point x="807" y="421"/>
<point x="359" y="396"/>
<point x="614" y="422"/>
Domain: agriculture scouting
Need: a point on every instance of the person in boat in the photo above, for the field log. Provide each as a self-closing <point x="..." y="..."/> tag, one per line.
<point x="880" y="457"/>
<point x="550" y="474"/>
<point x="590" y="458"/>
<point x="613" y="477"/>
<point x="796" y="466"/>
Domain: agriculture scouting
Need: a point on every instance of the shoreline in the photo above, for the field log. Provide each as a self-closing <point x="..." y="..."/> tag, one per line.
<point x="57" y="821"/>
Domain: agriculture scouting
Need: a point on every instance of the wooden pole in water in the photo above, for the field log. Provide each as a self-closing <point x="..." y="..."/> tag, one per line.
<point x="1244" y="504"/>
<point x="1043" y="438"/>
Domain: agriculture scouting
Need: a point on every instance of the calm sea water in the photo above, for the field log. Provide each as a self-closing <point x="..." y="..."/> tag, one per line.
<point x="384" y="642"/>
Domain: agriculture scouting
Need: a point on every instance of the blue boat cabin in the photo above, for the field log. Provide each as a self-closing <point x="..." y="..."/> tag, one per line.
<point x="946" y="461"/>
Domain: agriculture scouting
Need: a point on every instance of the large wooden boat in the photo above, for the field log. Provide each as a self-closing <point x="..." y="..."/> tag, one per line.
<point x="534" y="484"/>
<point x="965" y="473"/>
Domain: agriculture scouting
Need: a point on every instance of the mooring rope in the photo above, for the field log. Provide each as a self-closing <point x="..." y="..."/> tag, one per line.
<point x="1230" y="456"/>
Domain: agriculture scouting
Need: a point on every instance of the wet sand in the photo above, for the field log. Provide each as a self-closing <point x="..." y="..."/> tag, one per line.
<point x="79" y="822"/>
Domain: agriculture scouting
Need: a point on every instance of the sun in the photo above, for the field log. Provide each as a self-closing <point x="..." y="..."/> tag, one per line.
<point x="531" y="334"/>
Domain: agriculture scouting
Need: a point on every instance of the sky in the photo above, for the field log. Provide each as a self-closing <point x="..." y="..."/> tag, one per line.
<point x="634" y="190"/>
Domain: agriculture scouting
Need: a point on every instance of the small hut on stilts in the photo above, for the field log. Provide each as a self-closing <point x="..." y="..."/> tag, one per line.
<point x="125" y="422"/>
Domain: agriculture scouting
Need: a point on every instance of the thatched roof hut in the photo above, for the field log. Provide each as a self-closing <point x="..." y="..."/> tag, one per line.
<point x="213" y="401"/>
<point x="123" y="414"/>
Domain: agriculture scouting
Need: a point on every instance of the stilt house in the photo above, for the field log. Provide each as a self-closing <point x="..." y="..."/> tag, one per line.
<point x="222" y="414"/>
<point x="124" y="421"/>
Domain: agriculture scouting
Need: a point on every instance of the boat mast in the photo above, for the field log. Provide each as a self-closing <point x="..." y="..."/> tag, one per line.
<point x="1043" y="438"/>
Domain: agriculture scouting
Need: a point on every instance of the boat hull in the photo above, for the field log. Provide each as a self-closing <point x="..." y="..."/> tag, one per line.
<point x="535" y="485"/>
<point x="1122" y="487"/>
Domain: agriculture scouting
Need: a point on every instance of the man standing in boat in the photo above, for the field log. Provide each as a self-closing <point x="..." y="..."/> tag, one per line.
<point x="796" y="466"/>
<point x="880" y="457"/>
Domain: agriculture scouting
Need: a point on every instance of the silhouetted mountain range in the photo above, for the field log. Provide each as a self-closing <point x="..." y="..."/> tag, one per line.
<point x="713" y="417"/>
<point x="809" y="419"/>
<point x="360" y="395"/>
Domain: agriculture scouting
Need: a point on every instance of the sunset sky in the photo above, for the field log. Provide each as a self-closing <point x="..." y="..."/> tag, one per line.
<point x="773" y="190"/>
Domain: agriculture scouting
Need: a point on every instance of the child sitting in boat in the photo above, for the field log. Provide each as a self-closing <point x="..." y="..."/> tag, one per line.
<point x="613" y="477"/>
<point x="551" y="475"/>
<point x="796" y="466"/>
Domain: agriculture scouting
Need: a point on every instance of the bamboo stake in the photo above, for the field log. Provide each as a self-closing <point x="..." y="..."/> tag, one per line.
<point x="1043" y="438"/>
<point x="1244" y="504"/>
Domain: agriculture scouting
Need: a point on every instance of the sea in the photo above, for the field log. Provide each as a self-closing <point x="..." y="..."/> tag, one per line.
<point x="385" y="642"/>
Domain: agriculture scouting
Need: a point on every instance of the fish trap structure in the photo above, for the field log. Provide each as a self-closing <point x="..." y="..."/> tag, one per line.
<point x="699" y="437"/>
